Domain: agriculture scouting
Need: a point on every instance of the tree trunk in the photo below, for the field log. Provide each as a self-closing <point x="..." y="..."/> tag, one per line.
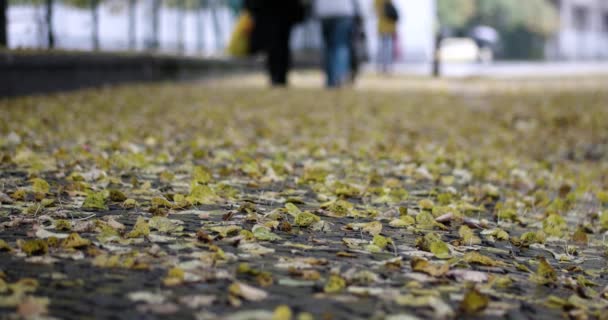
<point x="154" y="43"/>
<point x="200" y="46"/>
<point x="216" y="25"/>
<point x="3" y="23"/>
<point x="132" y="26"/>
<point x="95" y="24"/>
<point x="441" y="34"/>
<point x="50" y="36"/>
<point x="180" y="26"/>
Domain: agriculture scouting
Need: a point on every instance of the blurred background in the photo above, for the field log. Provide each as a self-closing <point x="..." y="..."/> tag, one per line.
<point x="469" y="37"/>
<point x="511" y="30"/>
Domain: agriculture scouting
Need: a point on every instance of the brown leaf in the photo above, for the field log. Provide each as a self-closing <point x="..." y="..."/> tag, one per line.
<point x="422" y="265"/>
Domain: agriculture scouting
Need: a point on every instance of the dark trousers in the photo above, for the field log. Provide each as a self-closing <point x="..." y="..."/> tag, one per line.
<point x="337" y="37"/>
<point x="278" y="60"/>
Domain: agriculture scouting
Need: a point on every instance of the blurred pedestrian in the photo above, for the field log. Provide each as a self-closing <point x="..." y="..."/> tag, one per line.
<point x="337" y="23"/>
<point x="273" y="21"/>
<point x="388" y="16"/>
<point x="358" y="43"/>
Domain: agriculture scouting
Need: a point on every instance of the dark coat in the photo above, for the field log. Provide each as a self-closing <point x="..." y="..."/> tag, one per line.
<point x="270" y="17"/>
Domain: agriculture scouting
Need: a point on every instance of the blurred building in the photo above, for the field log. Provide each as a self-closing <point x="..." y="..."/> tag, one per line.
<point x="583" y="32"/>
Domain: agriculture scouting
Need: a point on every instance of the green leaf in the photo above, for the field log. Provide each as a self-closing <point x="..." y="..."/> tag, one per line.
<point x="545" y="273"/>
<point x="201" y="175"/>
<point x="468" y="236"/>
<point x="426" y="204"/>
<point x="338" y="208"/>
<point x="34" y="247"/>
<point x="164" y="225"/>
<point x="604" y="220"/>
<point x="282" y="312"/>
<point x="161" y="202"/>
<point x="381" y="242"/>
<point x="74" y="241"/>
<point x="554" y="225"/>
<point x="425" y="220"/>
<point x="63" y="225"/>
<point x="263" y="233"/>
<point x="4" y="246"/>
<point x="95" y="200"/>
<point x="201" y="194"/>
<point x="477" y="258"/>
<point x="431" y="242"/>
<point x="474" y="302"/>
<point x="402" y="222"/>
<point x="226" y="231"/>
<point x="117" y="196"/>
<point x="334" y="284"/>
<point x="424" y="266"/>
<point x="292" y="209"/>
<point x="602" y="196"/>
<point x="373" y="228"/>
<point x="141" y="229"/>
<point x="40" y="186"/>
<point x="305" y="219"/>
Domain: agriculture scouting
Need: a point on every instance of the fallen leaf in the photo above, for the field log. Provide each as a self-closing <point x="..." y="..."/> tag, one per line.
<point x="247" y="292"/>
<point x="474" y="302"/>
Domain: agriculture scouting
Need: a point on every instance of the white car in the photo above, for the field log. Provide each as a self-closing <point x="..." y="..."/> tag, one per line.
<point x="462" y="50"/>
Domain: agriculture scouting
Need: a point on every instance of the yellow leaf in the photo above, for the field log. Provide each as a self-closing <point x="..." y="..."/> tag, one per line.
<point x="545" y="273"/>
<point x="75" y="241"/>
<point x="334" y="284"/>
<point x="424" y="266"/>
<point x="40" y="186"/>
<point x="282" y="312"/>
<point x="305" y="219"/>
<point x="141" y="229"/>
<point x="95" y="200"/>
<point x="474" y="302"/>
<point x="34" y="247"/>
<point x="477" y="258"/>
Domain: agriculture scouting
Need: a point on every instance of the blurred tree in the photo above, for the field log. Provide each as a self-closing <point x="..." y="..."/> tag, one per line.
<point x="198" y="6"/>
<point x="180" y="6"/>
<point x="3" y="23"/>
<point x="153" y="43"/>
<point x="235" y="6"/>
<point x="92" y="5"/>
<point x="200" y="47"/>
<point x="523" y="28"/>
<point x="536" y="16"/>
<point x="132" y="24"/>
<point x="455" y="14"/>
<point x="95" y="24"/>
<point x="214" y="6"/>
<point x="50" y="35"/>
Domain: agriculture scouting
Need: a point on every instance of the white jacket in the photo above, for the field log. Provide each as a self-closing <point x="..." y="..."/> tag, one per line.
<point x="334" y="8"/>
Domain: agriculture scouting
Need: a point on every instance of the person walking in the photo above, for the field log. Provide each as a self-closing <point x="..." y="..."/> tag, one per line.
<point x="273" y="21"/>
<point x="387" y="29"/>
<point x="337" y="22"/>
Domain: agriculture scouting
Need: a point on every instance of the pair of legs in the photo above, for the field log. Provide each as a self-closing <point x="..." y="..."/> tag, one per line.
<point x="278" y="60"/>
<point x="385" y="53"/>
<point x="337" y="37"/>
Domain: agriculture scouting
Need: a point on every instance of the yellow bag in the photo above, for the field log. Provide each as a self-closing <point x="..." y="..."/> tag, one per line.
<point x="239" y="40"/>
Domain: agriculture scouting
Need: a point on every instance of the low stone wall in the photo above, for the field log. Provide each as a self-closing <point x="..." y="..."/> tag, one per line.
<point x="26" y="73"/>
